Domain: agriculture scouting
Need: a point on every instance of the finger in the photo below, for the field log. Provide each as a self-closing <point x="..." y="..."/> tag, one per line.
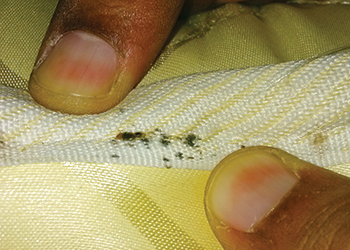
<point x="96" y="51"/>
<point x="265" y="198"/>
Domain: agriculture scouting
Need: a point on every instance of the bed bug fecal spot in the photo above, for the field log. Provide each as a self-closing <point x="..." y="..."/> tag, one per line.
<point x="126" y="136"/>
<point x="191" y="140"/>
<point x="179" y="155"/>
<point x="164" y="140"/>
<point x="145" y="142"/>
<point x="115" y="156"/>
<point x="130" y="136"/>
<point x="190" y="158"/>
<point x="165" y="159"/>
<point x="139" y="135"/>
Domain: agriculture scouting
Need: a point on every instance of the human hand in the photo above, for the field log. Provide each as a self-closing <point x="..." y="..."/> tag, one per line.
<point x="69" y="79"/>
<point x="95" y="52"/>
<point x="264" y="198"/>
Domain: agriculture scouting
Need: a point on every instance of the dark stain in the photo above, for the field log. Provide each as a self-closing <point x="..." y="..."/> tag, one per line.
<point x="145" y="142"/>
<point x="191" y="140"/>
<point x="165" y="159"/>
<point x="179" y="155"/>
<point x="168" y="167"/>
<point x="164" y="140"/>
<point x="115" y="156"/>
<point x="130" y="136"/>
<point x="126" y="136"/>
<point x="139" y="135"/>
<point x="242" y="146"/>
<point x="190" y="158"/>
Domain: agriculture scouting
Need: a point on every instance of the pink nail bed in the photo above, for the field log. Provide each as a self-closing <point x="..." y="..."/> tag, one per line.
<point x="248" y="187"/>
<point x="79" y="64"/>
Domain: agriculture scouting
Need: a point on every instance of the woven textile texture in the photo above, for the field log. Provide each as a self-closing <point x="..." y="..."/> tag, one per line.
<point x="134" y="177"/>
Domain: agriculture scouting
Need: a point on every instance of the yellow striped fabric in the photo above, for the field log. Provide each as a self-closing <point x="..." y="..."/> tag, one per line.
<point x="134" y="177"/>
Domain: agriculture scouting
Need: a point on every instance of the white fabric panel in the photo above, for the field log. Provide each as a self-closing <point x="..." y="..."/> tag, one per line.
<point x="302" y="107"/>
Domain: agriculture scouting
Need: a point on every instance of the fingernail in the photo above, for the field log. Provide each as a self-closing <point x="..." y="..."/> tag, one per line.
<point x="247" y="187"/>
<point x="79" y="64"/>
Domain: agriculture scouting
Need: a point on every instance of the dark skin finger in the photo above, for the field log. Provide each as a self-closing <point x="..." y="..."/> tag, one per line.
<point x="312" y="213"/>
<point x="134" y="31"/>
<point x="95" y="52"/>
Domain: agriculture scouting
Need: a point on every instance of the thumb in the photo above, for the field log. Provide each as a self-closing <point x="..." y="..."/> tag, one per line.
<point x="96" y="51"/>
<point x="265" y="198"/>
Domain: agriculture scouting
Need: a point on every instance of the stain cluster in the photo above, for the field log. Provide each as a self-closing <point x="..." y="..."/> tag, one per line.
<point x="164" y="140"/>
<point x="130" y="136"/>
<point x="179" y="155"/>
<point x="190" y="140"/>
